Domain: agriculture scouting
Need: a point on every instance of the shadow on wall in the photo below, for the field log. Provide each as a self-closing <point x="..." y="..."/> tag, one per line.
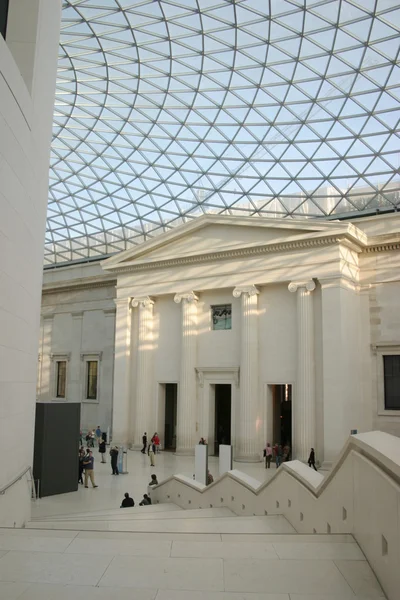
<point x="360" y="496"/>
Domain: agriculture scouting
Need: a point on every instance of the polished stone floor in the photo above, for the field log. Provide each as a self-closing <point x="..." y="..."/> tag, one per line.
<point x="87" y="565"/>
<point x="169" y="554"/>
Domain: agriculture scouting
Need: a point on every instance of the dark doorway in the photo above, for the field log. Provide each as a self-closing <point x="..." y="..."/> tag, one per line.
<point x="282" y="414"/>
<point x="171" y="394"/>
<point x="222" y="434"/>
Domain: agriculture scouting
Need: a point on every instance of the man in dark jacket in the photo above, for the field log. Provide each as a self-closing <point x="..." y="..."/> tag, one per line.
<point x="127" y="501"/>
<point x="114" y="460"/>
<point x="144" y="441"/>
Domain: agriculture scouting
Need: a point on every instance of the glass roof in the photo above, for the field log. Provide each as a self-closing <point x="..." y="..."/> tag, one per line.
<point x="169" y="109"/>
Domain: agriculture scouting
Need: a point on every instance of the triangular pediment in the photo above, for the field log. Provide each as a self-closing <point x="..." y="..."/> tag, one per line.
<point x="209" y="233"/>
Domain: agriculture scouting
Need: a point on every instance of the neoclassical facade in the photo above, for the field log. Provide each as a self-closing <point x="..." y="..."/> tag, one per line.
<point x="238" y="330"/>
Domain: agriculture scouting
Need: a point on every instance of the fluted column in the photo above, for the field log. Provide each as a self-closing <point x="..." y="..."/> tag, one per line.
<point x="247" y="444"/>
<point x="304" y="392"/>
<point x="143" y="368"/>
<point x="122" y="367"/>
<point x="186" y="409"/>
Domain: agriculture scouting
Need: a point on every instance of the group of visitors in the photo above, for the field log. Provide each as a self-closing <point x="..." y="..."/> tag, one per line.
<point x="281" y="454"/>
<point x="146" y="500"/>
<point x="153" y="448"/>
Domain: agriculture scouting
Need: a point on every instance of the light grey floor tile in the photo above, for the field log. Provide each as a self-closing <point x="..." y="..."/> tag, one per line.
<point x="11" y="590"/>
<point x="43" y="567"/>
<point x="223" y="550"/>
<point x="287" y="537"/>
<point x="324" y="550"/>
<point x="183" y="595"/>
<point x="361" y="578"/>
<point x="325" y="597"/>
<point x="165" y="573"/>
<point x="3" y="551"/>
<point x="118" y="547"/>
<point x="284" y="576"/>
<point x="154" y="537"/>
<point x="43" y="591"/>
<point x="34" y="543"/>
<point x="38" y="533"/>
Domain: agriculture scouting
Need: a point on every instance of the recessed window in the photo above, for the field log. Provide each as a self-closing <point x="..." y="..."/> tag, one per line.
<point x="91" y="379"/>
<point x="61" y="378"/>
<point x="221" y="316"/>
<point x="391" y="371"/>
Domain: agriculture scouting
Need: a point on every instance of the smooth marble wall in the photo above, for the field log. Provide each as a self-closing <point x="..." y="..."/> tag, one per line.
<point x="28" y="63"/>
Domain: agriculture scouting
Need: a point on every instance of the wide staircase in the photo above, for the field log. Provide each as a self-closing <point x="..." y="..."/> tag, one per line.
<point x="163" y="552"/>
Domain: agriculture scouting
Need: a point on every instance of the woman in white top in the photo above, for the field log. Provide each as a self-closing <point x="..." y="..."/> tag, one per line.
<point x="268" y="456"/>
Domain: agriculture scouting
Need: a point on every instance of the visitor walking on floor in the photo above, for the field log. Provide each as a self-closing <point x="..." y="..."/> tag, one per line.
<point x="144" y="441"/>
<point x="114" y="460"/>
<point x="268" y="456"/>
<point x="156" y="441"/>
<point x="152" y="452"/>
<point x="98" y="434"/>
<point x="88" y="463"/>
<point x="102" y="450"/>
<point x="311" y="459"/>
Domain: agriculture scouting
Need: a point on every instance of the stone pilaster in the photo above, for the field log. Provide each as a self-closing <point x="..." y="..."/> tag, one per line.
<point x="186" y="409"/>
<point x="122" y="368"/>
<point x="304" y="409"/>
<point x="144" y="395"/>
<point x="248" y="434"/>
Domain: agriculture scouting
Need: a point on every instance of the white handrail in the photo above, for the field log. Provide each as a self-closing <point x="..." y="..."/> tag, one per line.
<point x="18" y="478"/>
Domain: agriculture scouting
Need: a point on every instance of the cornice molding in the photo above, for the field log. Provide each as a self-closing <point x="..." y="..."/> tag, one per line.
<point x="229" y="254"/>
<point x="77" y="287"/>
<point x="388" y="247"/>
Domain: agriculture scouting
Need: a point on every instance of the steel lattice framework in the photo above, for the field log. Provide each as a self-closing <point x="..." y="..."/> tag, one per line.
<point x="168" y="109"/>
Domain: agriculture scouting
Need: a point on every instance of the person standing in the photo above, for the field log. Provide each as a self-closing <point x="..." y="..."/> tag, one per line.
<point x="98" y="434"/>
<point x="154" y="480"/>
<point x="156" y="441"/>
<point x="311" y="459"/>
<point x="152" y="452"/>
<point x="144" y="441"/>
<point x="88" y="463"/>
<point x="278" y="459"/>
<point x="102" y="450"/>
<point x="268" y="456"/>
<point x="286" y="452"/>
<point x="81" y="458"/>
<point x="114" y="460"/>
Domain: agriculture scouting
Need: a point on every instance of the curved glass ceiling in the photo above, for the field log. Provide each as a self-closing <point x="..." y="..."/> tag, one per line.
<point x="168" y="109"/>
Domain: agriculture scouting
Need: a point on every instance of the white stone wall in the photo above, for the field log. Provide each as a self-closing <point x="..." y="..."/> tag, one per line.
<point x="79" y="325"/>
<point x="28" y="61"/>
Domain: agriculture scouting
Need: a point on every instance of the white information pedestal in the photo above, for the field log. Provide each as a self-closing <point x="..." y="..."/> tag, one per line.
<point x="225" y="459"/>
<point x="201" y="463"/>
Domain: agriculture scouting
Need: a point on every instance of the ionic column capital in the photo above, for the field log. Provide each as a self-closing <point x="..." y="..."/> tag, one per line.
<point x="142" y="301"/>
<point x="251" y="290"/>
<point x="309" y="285"/>
<point x="188" y="296"/>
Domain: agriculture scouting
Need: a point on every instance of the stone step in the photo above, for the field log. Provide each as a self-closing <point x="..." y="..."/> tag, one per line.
<point x="123" y="516"/>
<point x="204" y="525"/>
<point x="110" y="512"/>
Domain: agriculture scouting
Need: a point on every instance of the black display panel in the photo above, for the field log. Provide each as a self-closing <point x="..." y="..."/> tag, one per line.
<point x="3" y="17"/>
<point x="55" y="460"/>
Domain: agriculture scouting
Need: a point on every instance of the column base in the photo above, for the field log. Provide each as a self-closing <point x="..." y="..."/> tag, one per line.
<point x="184" y="452"/>
<point x="247" y="458"/>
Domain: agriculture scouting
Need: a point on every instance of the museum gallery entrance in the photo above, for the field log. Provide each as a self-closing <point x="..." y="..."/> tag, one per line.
<point x="282" y="414"/>
<point x="171" y="395"/>
<point x="223" y="410"/>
